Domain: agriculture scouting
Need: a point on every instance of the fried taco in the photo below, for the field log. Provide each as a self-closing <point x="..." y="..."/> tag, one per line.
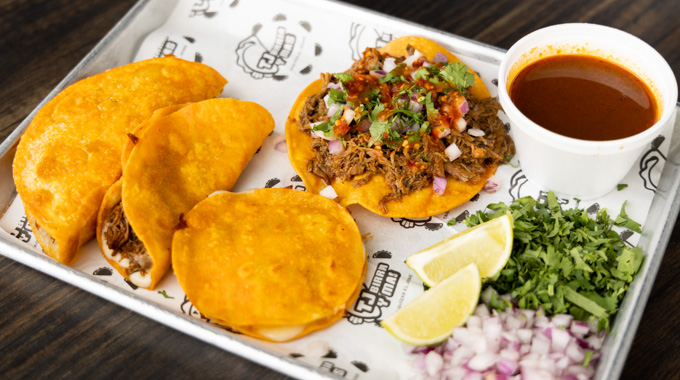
<point x="407" y="131"/>
<point x="70" y="153"/>
<point x="275" y="264"/>
<point x="177" y="161"/>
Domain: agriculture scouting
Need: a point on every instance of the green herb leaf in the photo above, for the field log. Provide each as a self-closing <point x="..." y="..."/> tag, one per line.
<point x="621" y="186"/>
<point x="165" y="295"/>
<point x="378" y="129"/>
<point x="457" y="74"/>
<point x="336" y="96"/>
<point x="343" y="77"/>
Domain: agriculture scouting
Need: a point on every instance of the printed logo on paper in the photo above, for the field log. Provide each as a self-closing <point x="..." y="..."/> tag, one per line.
<point x="374" y="297"/>
<point x="274" y="49"/>
<point x="362" y="36"/>
<point x="181" y="47"/>
<point x="650" y="160"/>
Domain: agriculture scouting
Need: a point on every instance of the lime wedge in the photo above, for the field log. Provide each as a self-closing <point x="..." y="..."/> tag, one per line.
<point x="488" y="245"/>
<point x="431" y="317"/>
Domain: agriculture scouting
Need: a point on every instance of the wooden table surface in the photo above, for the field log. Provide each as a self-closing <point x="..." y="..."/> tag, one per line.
<point x="52" y="330"/>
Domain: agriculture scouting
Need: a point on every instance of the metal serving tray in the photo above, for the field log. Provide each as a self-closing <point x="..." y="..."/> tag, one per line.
<point x="127" y="39"/>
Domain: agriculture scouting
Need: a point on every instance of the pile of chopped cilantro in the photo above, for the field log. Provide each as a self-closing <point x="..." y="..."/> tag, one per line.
<point x="563" y="261"/>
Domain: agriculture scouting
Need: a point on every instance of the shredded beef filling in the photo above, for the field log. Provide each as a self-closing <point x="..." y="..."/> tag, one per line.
<point x="122" y="240"/>
<point x="407" y="166"/>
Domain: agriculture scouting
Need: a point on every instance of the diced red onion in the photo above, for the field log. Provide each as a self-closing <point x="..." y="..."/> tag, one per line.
<point x="415" y="106"/>
<point x="419" y="362"/>
<point x="561" y="320"/>
<point x="580" y="329"/>
<point x="472" y="375"/>
<point x="411" y="58"/>
<point x="335" y="147"/>
<point x="439" y="185"/>
<point x="474" y="131"/>
<point x="335" y="86"/>
<point x="549" y="350"/>
<point x="377" y="73"/>
<point x="389" y="64"/>
<point x="482" y="310"/>
<point x="452" y="151"/>
<point x="427" y="64"/>
<point x="322" y="135"/>
<point x="560" y="339"/>
<point x="482" y="361"/>
<point x="460" y="124"/>
<point x="474" y="321"/>
<point x="507" y="367"/>
<point x="463" y="106"/>
<point x="333" y="108"/>
<point x="280" y="145"/>
<point x="433" y="363"/>
<point x="364" y="126"/>
<point x="440" y="57"/>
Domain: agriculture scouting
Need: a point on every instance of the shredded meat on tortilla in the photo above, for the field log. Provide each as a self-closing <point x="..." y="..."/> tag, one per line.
<point x="121" y="239"/>
<point x="411" y="161"/>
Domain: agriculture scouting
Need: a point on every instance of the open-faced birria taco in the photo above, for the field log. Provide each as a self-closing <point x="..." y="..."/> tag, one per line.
<point x="407" y="131"/>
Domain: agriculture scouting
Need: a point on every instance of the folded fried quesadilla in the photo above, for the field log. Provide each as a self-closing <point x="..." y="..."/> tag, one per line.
<point x="70" y="153"/>
<point x="177" y="161"/>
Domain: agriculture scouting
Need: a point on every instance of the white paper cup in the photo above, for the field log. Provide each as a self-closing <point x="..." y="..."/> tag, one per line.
<point x="572" y="167"/>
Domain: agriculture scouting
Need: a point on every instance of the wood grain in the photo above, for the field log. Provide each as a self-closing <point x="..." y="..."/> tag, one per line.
<point x="52" y="330"/>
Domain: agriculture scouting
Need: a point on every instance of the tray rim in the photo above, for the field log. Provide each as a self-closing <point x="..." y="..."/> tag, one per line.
<point x="637" y="296"/>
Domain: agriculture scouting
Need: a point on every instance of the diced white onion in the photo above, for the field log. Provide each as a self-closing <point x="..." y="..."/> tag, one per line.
<point x="348" y="115"/>
<point x="389" y="64"/>
<point x="335" y="86"/>
<point x="335" y="146"/>
<point x="321" y="134"/>
<point x="452" y="151"/>
<point x="460" y="124"/>
<point x="412" y="58"/>
<point x="474" y="131"/>
<point x="333" y="108"/>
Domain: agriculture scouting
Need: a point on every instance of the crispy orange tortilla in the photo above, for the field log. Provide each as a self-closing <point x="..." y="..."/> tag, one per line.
<point x="134" y="135"/>
<point x="270" y="258"/>
<point x="421" y="203"/>
<point x="182" y="158"/>
<point x="70" y="153"/>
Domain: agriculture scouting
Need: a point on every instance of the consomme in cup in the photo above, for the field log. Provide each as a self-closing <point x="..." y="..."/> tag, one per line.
<point x="584" y="97"/>
<point x="584" y="102"/>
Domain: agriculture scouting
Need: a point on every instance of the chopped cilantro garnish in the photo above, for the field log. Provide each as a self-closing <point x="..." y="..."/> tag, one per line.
<point x="564" y="260"/>
<point x="336" y="96"/>
<point x="621" y="186"/>
<point x="458" y="75"/>
<point x="422" y="73"/>
<point x="378" y="129"/>
<point x="429" y="106"/>
<point x="343" y="77"/>
<point x="327" y="127"/>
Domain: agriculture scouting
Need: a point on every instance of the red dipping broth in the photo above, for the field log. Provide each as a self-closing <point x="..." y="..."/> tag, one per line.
<point x="584" y="97"/>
